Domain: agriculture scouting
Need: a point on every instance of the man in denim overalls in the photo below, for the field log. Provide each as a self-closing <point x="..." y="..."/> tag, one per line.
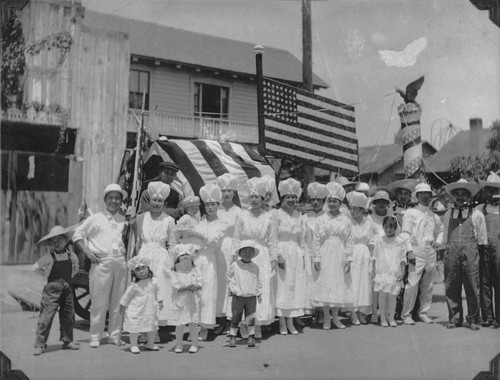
<point x="466" y="238"/>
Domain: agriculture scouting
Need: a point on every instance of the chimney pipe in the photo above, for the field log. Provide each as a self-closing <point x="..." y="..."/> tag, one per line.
<point x="476" y="136"/>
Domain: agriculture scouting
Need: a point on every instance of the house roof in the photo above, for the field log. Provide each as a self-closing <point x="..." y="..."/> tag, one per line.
<point x="458" y="146"/>
<point x="181" y="46"/>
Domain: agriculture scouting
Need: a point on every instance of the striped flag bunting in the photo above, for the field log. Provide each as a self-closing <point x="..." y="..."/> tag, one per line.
<point x="300" y="125"/>
<point x="202" y="161"/>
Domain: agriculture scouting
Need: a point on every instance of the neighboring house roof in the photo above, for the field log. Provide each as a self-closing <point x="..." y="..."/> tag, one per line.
<point x="182" y="46"/>
<point x="458" y="146"/>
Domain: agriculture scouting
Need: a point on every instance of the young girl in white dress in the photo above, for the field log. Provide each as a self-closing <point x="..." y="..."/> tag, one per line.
<point x="156" y="231"/>
<point x="361" y="268"/>
<point x="332" y="253"/>
<point x="227" y="212"/>
<point x="389" y="256"/>
<point x="187" y="282"/>
<point x="291" y="276"/>
<point x="141" y="302"/>
<point x="192" y="216"/>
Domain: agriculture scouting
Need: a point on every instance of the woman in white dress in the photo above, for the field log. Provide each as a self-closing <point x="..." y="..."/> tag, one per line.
<point x="361" y="268"/>
<point x="332" y="250"/>
<point x="291" y="276"/>
<point x="209" y="231"/>
<point x="155" y="233"/>
<point x="254" y="224"/>
<point x="227" y="212"/>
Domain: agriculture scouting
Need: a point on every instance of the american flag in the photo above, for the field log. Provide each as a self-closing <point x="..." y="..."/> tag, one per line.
<point x="300" y="125"/>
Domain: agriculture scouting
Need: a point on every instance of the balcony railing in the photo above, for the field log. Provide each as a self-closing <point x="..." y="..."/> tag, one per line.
<point x="157" y="123"/>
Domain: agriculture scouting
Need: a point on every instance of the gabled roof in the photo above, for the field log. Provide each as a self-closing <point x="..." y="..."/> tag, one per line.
<point x="458" y="146"/>
<point x="181" y="46"/>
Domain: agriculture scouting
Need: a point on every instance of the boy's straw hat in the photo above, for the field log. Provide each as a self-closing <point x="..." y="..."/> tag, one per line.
<point x="57" y="231"/>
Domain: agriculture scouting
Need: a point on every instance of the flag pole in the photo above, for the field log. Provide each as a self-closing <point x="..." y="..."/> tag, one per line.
<point x="259" y="50"/>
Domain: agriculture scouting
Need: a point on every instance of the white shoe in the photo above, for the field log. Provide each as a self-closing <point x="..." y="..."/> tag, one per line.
<point x="135" y="350"/>
<point x="178" y="349"/>
<point x="425" y="318"/>
<point x="408" y="321"/>
<point x="193" y="349"/>
<point x="94" y="343"/>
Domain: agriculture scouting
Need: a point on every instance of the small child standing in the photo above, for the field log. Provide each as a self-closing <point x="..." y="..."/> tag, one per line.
<point x="389" y="255"/>
<point x="60" y="265"/>
<point x="140" y="304"/>
<point x="190" y="219"/>
<point x="187" y="282"/>
<point x="244" y="287"/>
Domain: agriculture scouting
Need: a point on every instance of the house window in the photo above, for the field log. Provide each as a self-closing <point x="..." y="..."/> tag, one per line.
<point x="138" y="84"/>
<point x="211" y="100"/>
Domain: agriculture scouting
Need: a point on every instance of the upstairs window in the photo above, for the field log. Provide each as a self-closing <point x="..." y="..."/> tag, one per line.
<point x="211" y="101"/>
<point x="138" y="84"/>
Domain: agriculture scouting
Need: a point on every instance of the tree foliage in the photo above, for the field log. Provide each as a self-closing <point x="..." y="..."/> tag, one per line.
<point x="12" y="66"/>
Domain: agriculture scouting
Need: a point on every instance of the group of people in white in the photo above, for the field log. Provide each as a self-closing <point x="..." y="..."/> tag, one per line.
<point x="350" y="253"/>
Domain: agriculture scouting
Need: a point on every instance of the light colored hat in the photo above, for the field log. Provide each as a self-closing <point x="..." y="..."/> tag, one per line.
<point x="158" y="189"/>
<point x="381" y="194"/>
<point x="270" y="185"/>
<point x="138" y="261"/>
<point x="437" y="206"/>
<point x="493" y="180"/>
<point x="191" y="201"/>
<point x="257" y="186"/>
<point x="290" y="186"/>
<point x="317" y="190"/>
<point x="227" y="181"/>
<point x="343" y="181"/>
<point x="423" y="188"/>
<point x="362" y="186"/>
<point x="471" y="187"/>
<point x="211" y="193"/>
<point x="357" y="199"/>
<point x="115" y="187"/>
<point x="335" y="190"/>
<point x="57" y="231"/>
<point x="184" y="249"/>
<point x="249" y="243"/>
<point x="407" y="184"/>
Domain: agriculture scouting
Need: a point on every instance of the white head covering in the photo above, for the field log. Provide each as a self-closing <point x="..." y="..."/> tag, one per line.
<point x="357" y="199"/>
<point x="210" y="193"/>
<point x="335" y="190"/>
<point x="362" y="186"/>
<point x="317" y="190"/>
<point x="158" y="189"/>
<point x="184" y="249"/>
<point x="191" y="201"/>
<point x="493" y="180"/>
<point x="249" y="243"/>
<point x="138" y="261"/>
<point x="423" y="188"/>
<point x="115" y="187"/>
<point x="290" y="186"/>
<point x="257" y="186"/>
<point x="270" y="185"/>
<point x="227" y="181"/>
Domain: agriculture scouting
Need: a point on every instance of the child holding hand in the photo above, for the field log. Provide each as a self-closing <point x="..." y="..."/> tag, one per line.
<point x="389" y="255"/>
<point x="187" y="282"/>
<point x="140" y="304"/>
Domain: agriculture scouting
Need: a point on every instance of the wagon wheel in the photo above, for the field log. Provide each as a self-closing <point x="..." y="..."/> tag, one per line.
<point x="81" y="296"/>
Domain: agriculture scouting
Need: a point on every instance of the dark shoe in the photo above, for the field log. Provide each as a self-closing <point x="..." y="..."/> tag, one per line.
<point x="38" y="351"/>
<point x="71" y="346"/>
<point x="232" y="341"/>
<point x="473" y="326"/>
<point x="487" y="323"/>
<point x="452" y="325"/>
<point x="251" y="341"/>
<point x="495" y="325"/>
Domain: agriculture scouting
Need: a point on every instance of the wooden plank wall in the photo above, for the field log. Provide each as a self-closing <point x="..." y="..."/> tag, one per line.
<point x="99" y="103"/>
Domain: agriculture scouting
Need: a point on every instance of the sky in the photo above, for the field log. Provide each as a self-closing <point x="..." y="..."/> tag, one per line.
<point x="453" y="44"/>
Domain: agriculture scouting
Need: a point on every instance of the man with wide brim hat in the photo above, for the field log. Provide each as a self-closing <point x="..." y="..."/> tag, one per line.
<point x="100" y="238"/>
<point x="402" y="191"/>
<point x="466" y="237"/>
<point x="424" y="230"/>
<point x="489" y="262"/>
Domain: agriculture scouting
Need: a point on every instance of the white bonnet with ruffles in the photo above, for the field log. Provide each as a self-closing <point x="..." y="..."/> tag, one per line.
<point x="227" y="181"/>
<point x="158" y="189"/>
<point x="257" y="186"/>
<point x="138" y="261"/>
<point x="270" y="184"/>
<point x="290" y="186"/>
<point x="191" y="201"/>
<point x="335" y="190"/>
<point x="357" y="199"/>
<point x="210" y="193"/>
<point x="317" y="190"/>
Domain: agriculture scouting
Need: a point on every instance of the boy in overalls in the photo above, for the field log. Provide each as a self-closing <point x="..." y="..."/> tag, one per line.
<point x="489" y="262"/>
<point x="466" y="238"/>
<point x="60" y="265"/>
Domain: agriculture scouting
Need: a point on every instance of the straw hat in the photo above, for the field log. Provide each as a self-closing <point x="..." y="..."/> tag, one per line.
<point x="158" y="189"/>
<point x="493" y="180"/>
<point x="381" y="194"/>
<point x="138" y="261"/>
<point x="357" y="199"/>
<point x="407" y="184"/>
<point x="471" y="187"/>
<point x="249" y="243"/>
<point x="211" y="193"/>
<point x="227" y="181"/>
<point x="115" y="187"/>
<point x="290" y="186"/>
<point x="423" y="188"/>
<point x="335" y="190"/>
<point x="57" y="231"/>
<point x="317" y="190"/>
<point x="437" y="207"/>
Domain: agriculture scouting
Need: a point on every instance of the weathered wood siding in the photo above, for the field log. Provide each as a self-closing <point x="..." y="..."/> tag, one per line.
<point x="244" y="102"/>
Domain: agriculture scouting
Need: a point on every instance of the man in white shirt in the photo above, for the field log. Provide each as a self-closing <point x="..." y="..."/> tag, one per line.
<point x="424" y="231"/>
<point x="100" y="238"/>
<point x="466" y="237"/>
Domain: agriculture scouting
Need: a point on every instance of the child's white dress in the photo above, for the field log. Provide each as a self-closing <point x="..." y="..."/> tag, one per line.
<point x="389" y="253"/>
<point x="187" y="222"/>
<point x="186" y="305"/>
<point x="141" y="302"/>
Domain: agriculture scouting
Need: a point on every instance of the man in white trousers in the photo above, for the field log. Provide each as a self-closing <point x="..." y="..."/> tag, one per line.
<point x="100" y="238"/>
<point x="424" y="230"/>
